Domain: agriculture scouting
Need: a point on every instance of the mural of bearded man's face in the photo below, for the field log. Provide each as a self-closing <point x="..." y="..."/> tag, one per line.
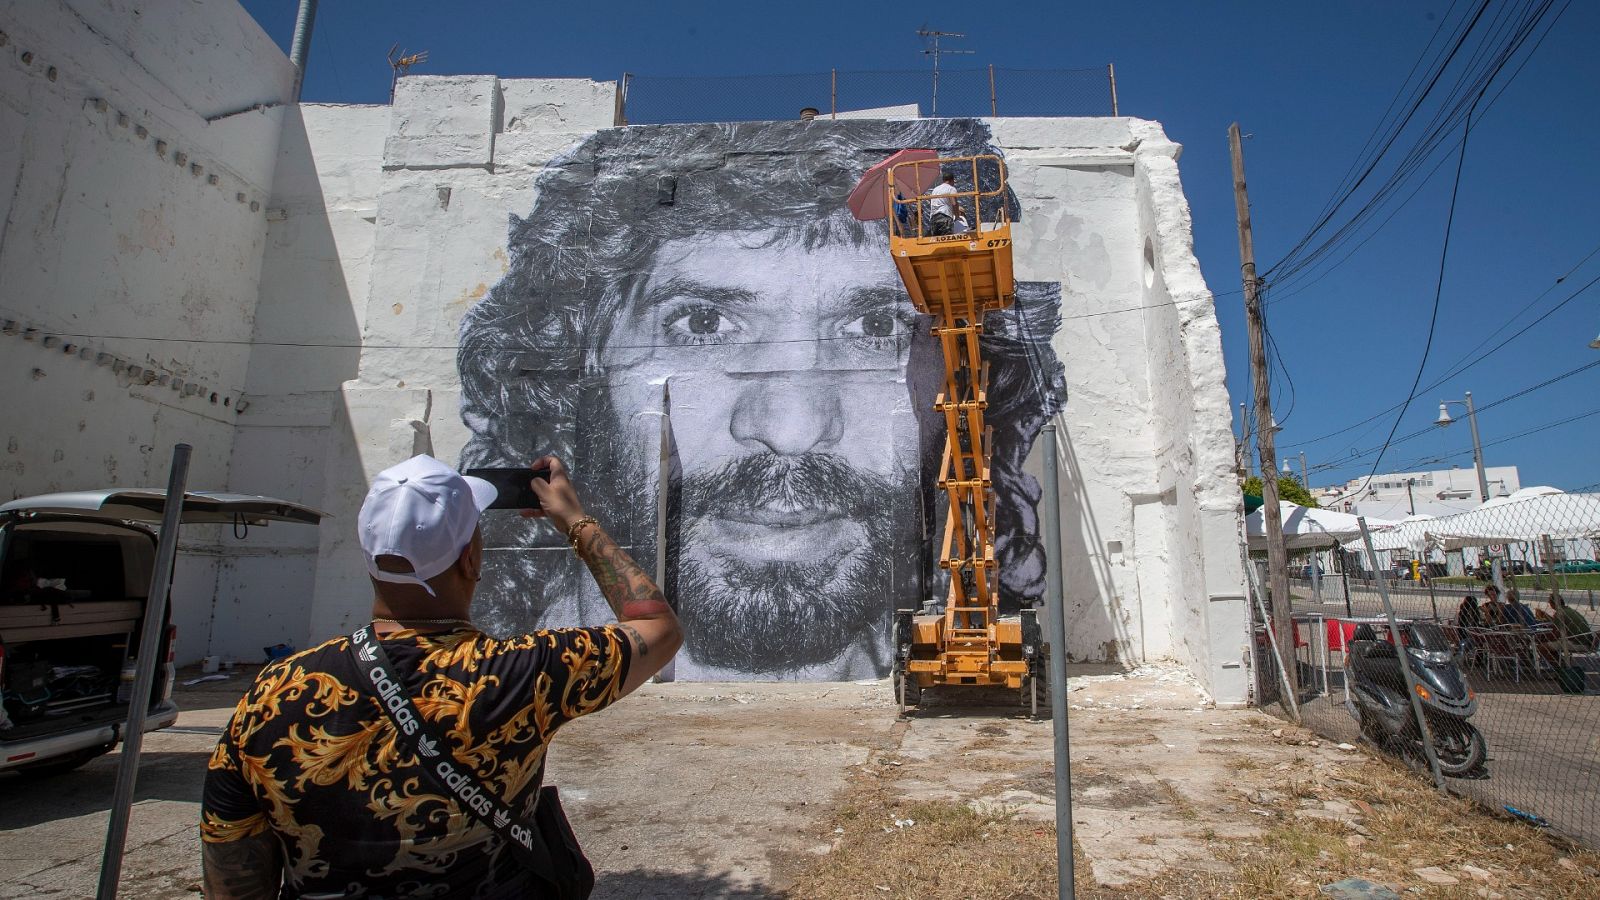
<point x="796" y="440"/>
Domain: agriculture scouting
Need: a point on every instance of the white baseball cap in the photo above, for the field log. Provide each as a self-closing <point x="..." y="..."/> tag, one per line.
<point x="424" y="512"/>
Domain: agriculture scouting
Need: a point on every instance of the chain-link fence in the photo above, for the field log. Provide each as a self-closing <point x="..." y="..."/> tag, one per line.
<point x="989" y="91"/>
<point x="1495" y="611"/>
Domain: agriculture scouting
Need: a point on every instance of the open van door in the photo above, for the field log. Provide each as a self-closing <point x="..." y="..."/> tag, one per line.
<point x="147" y="505"/>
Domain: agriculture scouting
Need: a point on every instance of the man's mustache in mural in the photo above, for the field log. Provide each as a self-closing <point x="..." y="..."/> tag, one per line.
<point x="769" y="489"/>
<point x="768" y="616"/>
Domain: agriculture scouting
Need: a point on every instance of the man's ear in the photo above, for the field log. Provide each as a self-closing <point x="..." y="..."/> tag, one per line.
<point x="470" y="562"/>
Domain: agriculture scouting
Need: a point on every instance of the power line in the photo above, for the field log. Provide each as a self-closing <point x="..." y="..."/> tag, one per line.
<point x="1470" y="360"/>
<point x="1438" y="293"/>
<point x="1358" y="455"/>
<point x="1507" y="33"/>
<point x="1297" y="277"/>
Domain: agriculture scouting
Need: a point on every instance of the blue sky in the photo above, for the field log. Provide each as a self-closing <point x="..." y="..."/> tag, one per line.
<point x="1308" y="82"/>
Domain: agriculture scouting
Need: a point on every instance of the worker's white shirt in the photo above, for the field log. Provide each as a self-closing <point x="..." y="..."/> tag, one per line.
<point x="942" y="204"/>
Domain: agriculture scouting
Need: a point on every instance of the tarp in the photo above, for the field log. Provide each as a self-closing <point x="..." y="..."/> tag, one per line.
<point x="1305" y="527"/>
<point x="1519" y="519"/>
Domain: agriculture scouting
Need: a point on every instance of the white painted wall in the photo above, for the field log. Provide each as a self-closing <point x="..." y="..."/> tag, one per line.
<point x="316" y="262"/>
<point x="131" y="237"/>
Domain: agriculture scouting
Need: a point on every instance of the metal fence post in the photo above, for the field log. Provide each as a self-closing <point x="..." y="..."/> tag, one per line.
<point x="155" y="614"/>
<point x="1405" y="664"/>
<point x="1111" y="76"/>
<point x="1056" y="598"/>
<point x="1291" y="703"/>
<point x="994" y="107"/>
<point x="619" y="115"/>
<point x="833" y="93"/>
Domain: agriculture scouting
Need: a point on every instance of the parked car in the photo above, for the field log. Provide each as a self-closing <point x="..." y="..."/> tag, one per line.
<point x="1575" y="566"/>
<point x="76" y="569"/>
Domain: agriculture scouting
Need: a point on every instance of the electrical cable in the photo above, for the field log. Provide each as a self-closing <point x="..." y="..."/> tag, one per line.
<point x="1356" y="456"/>
<point x="1478" y="72"/>
<point x="1438" y="294"/>
<point x="1459" y="368"/>
<point x="1288" y="281"/>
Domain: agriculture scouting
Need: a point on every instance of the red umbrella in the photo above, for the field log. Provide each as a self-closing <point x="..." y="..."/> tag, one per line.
<point x="869" y="200"/>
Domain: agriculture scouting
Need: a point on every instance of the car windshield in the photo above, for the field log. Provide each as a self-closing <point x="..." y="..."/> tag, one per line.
<point x="1428" y="636"/>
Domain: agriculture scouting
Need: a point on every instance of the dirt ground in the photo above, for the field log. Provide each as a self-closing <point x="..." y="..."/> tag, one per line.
<point x="821" y="791"/>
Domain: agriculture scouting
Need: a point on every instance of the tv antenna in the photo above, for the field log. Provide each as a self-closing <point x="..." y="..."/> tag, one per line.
<point x="402" y="64"/>
<point x="935" y="51"/>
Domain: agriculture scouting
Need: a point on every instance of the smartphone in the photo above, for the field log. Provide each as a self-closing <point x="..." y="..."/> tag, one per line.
<point x="512" y="484"/>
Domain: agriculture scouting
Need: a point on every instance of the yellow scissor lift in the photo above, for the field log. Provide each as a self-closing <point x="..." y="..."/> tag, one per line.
<point x="958" y="278"/>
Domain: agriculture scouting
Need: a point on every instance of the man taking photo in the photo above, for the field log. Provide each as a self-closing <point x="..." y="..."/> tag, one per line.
<point x="313" y="787"/>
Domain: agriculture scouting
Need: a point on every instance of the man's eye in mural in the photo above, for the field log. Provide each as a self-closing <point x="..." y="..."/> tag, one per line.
<point x="699" y="324"/>
<point x="879" y="329"/>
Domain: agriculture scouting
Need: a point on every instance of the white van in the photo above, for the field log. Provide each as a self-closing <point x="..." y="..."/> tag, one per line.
<point x="74" y="574"/>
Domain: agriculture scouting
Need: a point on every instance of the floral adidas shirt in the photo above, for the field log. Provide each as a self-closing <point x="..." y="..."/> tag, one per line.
<point x="310" y="756"/>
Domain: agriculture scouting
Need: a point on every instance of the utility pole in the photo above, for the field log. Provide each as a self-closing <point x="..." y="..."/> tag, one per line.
<point x="936" y="52"/>
<point x="1271" y="512"/>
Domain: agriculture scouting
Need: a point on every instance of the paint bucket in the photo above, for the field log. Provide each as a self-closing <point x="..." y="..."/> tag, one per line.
<point x="209" y="665"/>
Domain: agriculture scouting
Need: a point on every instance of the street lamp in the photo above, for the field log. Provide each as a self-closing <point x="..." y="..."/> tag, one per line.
<point x="1477" y="445"/>
<point x="1477" y="458"/>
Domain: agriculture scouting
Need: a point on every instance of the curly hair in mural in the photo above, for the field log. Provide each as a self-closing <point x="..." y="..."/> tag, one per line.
<point x="718" y="263"/>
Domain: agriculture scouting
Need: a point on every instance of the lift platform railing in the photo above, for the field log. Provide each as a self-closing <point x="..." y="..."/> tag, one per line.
<point x="915" y="225"/>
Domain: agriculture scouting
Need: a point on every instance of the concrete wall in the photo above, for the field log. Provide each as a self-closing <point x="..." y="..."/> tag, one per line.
<point x="132" y="225"/>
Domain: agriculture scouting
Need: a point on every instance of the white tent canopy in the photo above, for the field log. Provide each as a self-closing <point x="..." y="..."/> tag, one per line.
<point x="1409" y="533"/>
<point x="1305" y="527"/>
<point x="1524" y="518"/>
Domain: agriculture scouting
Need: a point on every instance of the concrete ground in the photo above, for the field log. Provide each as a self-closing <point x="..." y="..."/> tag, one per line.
<point x="690" y="791"/>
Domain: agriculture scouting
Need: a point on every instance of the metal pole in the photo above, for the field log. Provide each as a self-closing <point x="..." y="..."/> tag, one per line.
<point x="619" y="116"/>
<point x="994" y="107"/>
<point x="1477" y="452"/>
<point x="833" y="93"/>
<point x="1271" y="512"/>
<point x="1316" y="555"/>
<point x="1111" y="75"/>
<point x="300" y="49"/>
<point x="144" y="682"/>
<point x="1483" y="486"/>
<point x="1290" y="704"/>
<point x="663" y="497"/>
<point x="1055" y="597"/>
<point x="1405" y="664"/>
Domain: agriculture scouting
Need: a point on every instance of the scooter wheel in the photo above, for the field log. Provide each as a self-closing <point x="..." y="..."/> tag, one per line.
<point x="1460" y="748"/>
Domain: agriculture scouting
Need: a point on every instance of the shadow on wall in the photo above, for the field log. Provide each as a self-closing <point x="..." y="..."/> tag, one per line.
<point x="308" y="329"/>
<point x="1081" y="544"/>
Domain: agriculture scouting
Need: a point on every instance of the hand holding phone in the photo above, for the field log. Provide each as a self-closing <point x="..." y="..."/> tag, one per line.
<point x="513" y="484"/>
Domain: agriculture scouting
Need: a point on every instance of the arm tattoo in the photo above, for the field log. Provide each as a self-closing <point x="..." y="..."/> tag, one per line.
<point x="629" y="591"/>
<point x="246" y="869"/>
<point x="644" y="648"/>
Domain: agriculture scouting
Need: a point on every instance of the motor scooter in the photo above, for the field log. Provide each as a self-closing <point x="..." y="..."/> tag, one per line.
<point x="1378" y="700"/>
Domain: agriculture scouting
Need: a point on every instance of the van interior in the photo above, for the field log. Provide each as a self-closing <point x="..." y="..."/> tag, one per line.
<point x="71" y="602"/>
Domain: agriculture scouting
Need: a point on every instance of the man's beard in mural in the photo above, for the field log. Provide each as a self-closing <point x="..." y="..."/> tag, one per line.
<point x="764" y="616"/>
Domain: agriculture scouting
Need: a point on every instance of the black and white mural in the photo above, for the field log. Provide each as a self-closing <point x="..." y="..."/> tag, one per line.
<point x="718" y="265"/>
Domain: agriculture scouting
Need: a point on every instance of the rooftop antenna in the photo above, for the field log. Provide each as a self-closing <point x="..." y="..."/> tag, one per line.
<point x="402" y="64"/>
<point x="936" y="51"/>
